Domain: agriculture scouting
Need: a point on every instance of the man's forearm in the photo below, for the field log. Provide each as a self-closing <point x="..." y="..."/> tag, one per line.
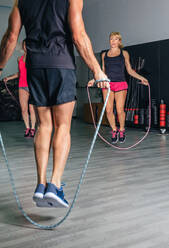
<point x="84" y="47"/>
<point x="7" y="47"/>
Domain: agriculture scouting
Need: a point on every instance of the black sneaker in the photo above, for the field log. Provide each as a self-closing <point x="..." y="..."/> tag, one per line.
<point x="122" y="136"/>
<point x="26" y="133"/>
<point x="32" y="133"/>
<point x="114" y="138"/>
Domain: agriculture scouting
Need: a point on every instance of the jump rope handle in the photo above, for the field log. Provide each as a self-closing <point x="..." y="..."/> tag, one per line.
<point x="142" y="83"/>
<point x="101" y="80"/>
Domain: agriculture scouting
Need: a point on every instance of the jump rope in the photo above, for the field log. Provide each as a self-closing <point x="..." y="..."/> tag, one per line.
<point x="10" y="93"/>
<point x="106" y="141"/>
<point x="49" y="227"/>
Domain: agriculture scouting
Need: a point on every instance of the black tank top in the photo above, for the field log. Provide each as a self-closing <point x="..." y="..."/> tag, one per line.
<point x="115" y="67"/>
<point x="48" y="37"/>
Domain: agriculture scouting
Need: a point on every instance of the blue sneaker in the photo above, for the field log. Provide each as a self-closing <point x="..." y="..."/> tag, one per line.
<point x="38" y="196"/>
<point x="55" y="196"/>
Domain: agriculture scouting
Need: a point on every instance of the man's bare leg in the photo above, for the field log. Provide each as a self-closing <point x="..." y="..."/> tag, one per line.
<point x="62" y="116"/>
<point x="42" y="142"/>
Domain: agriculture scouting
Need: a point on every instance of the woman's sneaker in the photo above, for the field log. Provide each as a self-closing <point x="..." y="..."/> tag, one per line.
<point x="122" y="136"/>
<point x="55" y="196"/>
<point x="32" y="133"/>
<point x="114" y="138"/>
<point x="26" y="133"/>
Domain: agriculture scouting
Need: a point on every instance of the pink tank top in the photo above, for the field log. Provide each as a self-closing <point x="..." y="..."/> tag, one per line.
<point x="22" y="73"/>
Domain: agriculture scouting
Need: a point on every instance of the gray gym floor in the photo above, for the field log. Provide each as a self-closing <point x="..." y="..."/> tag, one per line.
<point x="123" y="202"/>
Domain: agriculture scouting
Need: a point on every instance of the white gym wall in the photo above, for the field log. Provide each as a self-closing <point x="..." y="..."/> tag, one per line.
<point x="139" y="21"/>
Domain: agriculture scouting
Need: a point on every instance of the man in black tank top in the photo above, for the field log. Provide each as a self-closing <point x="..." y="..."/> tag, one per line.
<point x="51" y="29"/>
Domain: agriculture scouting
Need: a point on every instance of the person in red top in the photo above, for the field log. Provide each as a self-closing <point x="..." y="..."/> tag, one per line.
<point x="24" y="95"/>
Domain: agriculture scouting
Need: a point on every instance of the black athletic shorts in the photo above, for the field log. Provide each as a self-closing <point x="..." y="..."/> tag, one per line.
<point x="52" y="86"/>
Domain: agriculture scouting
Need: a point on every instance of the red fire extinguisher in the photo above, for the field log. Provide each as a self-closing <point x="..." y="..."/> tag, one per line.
<point x="162" y="117"/>
<point x="136" y="117"/>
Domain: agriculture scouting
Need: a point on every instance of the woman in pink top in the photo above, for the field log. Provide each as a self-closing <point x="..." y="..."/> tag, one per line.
<point x="24" y="95"/>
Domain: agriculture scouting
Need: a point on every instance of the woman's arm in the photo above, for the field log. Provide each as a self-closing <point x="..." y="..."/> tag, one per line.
<point x="11" y="77"/>
<point x="130" y="71"/>
<point x="16" y="75"/>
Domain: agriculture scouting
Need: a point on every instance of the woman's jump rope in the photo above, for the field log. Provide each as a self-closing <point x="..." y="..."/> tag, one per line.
<point x="10" y="93"/>
<point x="107" y="142"/>
<point x="48" y="227"/>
